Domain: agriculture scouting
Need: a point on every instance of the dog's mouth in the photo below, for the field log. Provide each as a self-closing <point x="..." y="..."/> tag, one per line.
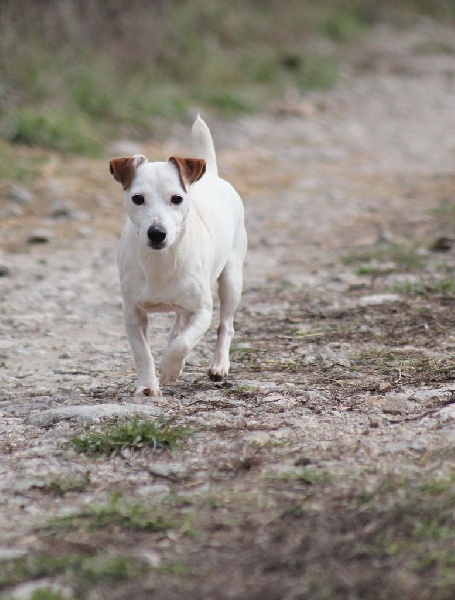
<point x="157" y="246"/>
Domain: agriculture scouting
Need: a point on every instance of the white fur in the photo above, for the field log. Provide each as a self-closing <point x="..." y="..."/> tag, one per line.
<point x="205" y="243"/>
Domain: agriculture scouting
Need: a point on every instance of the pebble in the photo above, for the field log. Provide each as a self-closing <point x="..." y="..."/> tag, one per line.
<point x="4" y="271"/>
<point x="439" y="394"/>
<point x="396" y="404"/>
<point x="384" y="386"/>
<point x="61" y="209"/>
<point x="7" y="554"/>
<point x="302" y="461"/>
<point x="448" y="412"/>
<point x="175" y="471"/>
<point x="21" y="194"/>
<point x="378" y="299"/>
<point x="39" y="237"/>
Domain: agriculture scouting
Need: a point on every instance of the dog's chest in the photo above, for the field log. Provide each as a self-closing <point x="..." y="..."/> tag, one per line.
<point x="172" y="292"/>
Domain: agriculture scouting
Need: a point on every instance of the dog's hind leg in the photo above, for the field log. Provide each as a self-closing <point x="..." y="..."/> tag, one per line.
<point x="230" y="290"/>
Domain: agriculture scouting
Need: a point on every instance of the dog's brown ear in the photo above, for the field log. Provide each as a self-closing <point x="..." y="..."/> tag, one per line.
<point x="123" y="168"/>
<point x="190" y="169"/>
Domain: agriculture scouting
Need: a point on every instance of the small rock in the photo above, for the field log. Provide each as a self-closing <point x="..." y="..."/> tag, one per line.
<point x="375" y="422"/>
<point x="302" y="461"/>
<point x="310" y="359"/>
<point x="61" y="209"/>
<point x="448" y="412"/>
<point x="396" y="404"/>
<point x="151" y="558"/>
<point x="439" y="394"/>
<point x="39" y="237"/>
<point x="378" y="299"/>
<point x="442" y="244"/>
<point x="384" y="386"/>
<point x="167" y="471"/>
<point x="7" y="554"/>
<point x="4" y="271"/>
<point x="21" y="194"/>
<point x="11" y="211"/>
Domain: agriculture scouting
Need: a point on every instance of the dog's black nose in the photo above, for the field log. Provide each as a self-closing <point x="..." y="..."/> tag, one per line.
<point x="156" y="235"/>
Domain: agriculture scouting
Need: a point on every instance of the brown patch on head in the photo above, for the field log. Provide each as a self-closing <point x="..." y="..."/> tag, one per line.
<point x="190" y="169"/>
<point x="123" y="168"/>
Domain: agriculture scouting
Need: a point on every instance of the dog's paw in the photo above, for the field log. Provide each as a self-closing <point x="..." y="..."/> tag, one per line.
<point x="148" y="391"/>
<point x="218" y="371"/>
<point x="170" y="370"/>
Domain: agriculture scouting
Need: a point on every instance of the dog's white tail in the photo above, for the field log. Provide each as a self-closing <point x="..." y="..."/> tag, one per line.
<point x="203" y="145"/>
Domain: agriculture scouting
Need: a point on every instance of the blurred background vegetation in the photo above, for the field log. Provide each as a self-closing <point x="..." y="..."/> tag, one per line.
<point x="75" y="73"/>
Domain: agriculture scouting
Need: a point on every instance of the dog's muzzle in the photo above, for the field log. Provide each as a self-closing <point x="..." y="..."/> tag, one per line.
<point x="157" y="237"/>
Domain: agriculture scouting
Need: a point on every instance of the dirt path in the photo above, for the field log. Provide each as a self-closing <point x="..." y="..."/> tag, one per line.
<point x="342" y="389"/>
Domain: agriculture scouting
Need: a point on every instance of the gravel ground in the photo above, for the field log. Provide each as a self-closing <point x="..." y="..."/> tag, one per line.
<point x="343" y="363"/>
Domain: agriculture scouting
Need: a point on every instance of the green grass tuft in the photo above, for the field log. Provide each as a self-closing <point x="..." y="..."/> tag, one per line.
<point x="134" y="434"/>
<point x="116" y="513"/>
<point x="426" y="287"/>
<point x="82" y="571"/>
<point x="403" y="256"/>
<point x="60" y="485"/>
<point x="53" y="129"/>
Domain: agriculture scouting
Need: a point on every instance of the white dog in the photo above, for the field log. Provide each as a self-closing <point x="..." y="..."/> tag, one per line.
<point x="185" y="231"/>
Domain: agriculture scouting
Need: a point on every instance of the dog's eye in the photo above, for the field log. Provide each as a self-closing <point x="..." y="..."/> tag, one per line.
<point x="138" y="199"/>
<point x="176" y="199"/>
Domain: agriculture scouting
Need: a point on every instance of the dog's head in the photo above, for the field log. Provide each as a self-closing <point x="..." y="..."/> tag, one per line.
<point x="157" y="195"/>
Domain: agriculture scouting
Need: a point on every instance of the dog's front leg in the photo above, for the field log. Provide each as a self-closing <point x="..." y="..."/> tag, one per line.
<point x="173" y="359"/>
<point x="136" y="325"/>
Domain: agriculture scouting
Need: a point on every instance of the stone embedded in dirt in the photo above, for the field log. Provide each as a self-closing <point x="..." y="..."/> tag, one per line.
<point x="61" y="209"/>
<point x="39" y="237"/>
<point x="4" y="271"/>
<point x="302" y="461"/>
<point x="311" y="396"/>
<point x="170" y="471"/>
<point x="89" y="414"/>
<point x="448" y="413"/>
<point x="7" y="554"/>
<point x="396" y="404"/>
<point x="21" y="194"/>
<point x="439" y="394"/>
<point x="378" y="299"/>
<point x="442" y="244"/>
<point x="384" y="386"/>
